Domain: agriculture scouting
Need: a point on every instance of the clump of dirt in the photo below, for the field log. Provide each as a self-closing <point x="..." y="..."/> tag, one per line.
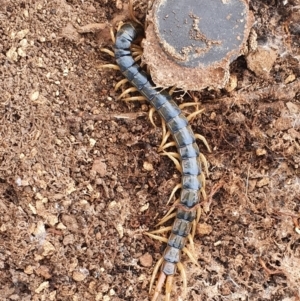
<point x="81" y="179"/>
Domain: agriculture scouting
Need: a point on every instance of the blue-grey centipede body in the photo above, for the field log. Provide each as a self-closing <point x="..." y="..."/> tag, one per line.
<point x="183" y="137"/>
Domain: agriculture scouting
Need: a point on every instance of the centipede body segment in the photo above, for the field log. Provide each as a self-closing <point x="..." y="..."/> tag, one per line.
<point x="188" y="150"/>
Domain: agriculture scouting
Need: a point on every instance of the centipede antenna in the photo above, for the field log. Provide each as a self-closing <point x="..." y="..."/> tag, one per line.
<point x="127" y="91"/>
<point x="202" y="138"/>
<point x="121" y="83"/>
<point x="183" y="276"/>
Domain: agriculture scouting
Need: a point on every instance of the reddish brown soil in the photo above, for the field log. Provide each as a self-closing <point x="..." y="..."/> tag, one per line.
<point x="77" y="187"/>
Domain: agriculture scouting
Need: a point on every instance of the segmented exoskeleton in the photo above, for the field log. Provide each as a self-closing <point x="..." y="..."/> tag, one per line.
<point x="188" y="211"/>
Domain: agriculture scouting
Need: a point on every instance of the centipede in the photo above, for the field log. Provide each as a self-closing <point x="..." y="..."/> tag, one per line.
<point x="187" y="210"/>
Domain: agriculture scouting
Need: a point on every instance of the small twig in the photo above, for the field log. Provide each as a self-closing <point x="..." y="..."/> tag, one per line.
<point x="247" y="180"/>
<point x="279" y="92"/>
<point x="270" y="272"/>
<point x="99" y="117"/>
<point x="295" y="219"/>
<point x="206" y="203"/>
<point x="92" y="27"/>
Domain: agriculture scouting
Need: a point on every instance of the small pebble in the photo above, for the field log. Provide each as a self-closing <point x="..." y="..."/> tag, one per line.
<point x="100" y="167"/>
<point x="263" y="182"/>
<point x="260" y="152"/>
<point x="146" y="260"/>
<point x="204" y="229"/>
<point x="148" y="166"/>
<point x="78" y="276"/>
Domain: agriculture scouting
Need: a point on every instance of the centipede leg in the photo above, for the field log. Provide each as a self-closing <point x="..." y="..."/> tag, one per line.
<point x="177" y="187"/>
<point x="165" y="135"/>
<point x="109" y="66"/>
<point x="166" y="218"/>
<point x="109" y="52"/>
<point x="127" y="91"/>
<point x="188" y="104"/>
<point x="137" y="55"/>
<point x="194" y="114"/>
<point x="169" y="284"/>
<point x="191" y="241"/>
<point x="151" y="112"/>
<point x="161" y="148"/>
<point x="169" y="213"/>
<point x="172" y="157"/>
<point x="202" y="138"/>
<point x="112" y="35"/>
<point x="198" y="216"/>
<point x="160" y="282"/>
<point x="162" y="230"/>
<point x="204" y="195"/>
<point x="190" y="255"/>
<point x="173" y="154"/>
<point x="135" y="98"/>
<point x="154" y="273"/>
<point x="183" y="276"/>
<point x="136" y="49"/>
<point x="121" y="83"/>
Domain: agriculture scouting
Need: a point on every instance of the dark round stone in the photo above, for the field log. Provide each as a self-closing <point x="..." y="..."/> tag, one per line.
<point x="200" y="32"/>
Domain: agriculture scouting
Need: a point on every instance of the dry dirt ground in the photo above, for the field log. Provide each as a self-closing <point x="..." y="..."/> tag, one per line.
<point x="81" y="178"/>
